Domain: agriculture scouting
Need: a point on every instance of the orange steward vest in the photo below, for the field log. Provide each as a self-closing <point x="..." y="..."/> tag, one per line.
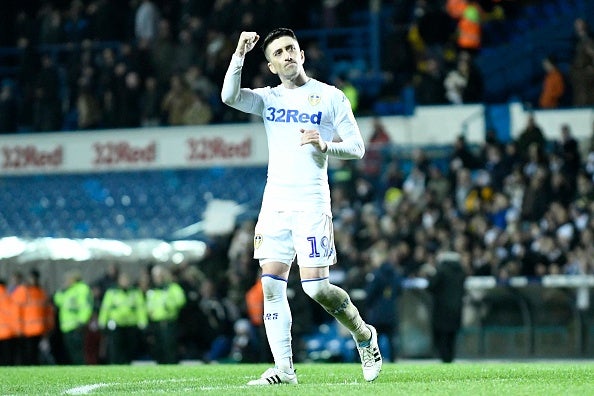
<point x="8" y="316"/>
<point x="36" y="314"/>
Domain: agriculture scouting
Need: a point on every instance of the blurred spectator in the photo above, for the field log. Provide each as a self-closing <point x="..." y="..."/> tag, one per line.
<point x="446" y="286"/>
<point x="150" y="104"/>
<point x="194" y="335"/>
<point x="108" y="280"/>
<point x="75" y="307"/>
<point x="569" y="151"/>
<point x="198" y="113"/>
<point x="254" y="347"/>
<point x="462" y="157"/>
<point x="317" y="64"/>
<point x="349" y="90"/>
<point x="87" y="108"/>
<point x="130" y="95"/>
<point x="163" y="53"/>
<point x="47" y="112"/>
<point x="177" y="101"/>
<point x="378" y="143"/>
<point x="36" y="317"/>
<point x="164" y="300"/>
<point x="553" y="86"/>
<point x="463" y="84"/>
<point x="383" y="286"/>
<point x="220" y="316"/>
<point x="123" y="314"/>
<point x="532" y="133"/>
<point x="186" y="51"/>
<point x="146" y="21"/>
<point x="76" y="24"/>
<point x="8" y="108"/>
<point x="108" y="20"/>
<point x="536" y="196"/>
<point x="51" y="30"/>
<point x="582" y="67"/>
<point x="8" y="327"/>
<point x="429" y="83"/>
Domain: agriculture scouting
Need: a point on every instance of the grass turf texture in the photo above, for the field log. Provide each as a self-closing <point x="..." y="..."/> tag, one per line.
<point x="432" y="378"/>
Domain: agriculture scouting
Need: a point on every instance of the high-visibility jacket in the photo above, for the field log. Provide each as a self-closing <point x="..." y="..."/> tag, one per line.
<point x="8" y="316"/>
<point x="254" y="299"/>
<point x="455" y="8"/>
<point x="36" y="316"/>
<point x="164" y="303"/>
<point x="75" y="306"/>
<point x="469" y="28"/>
<point x="122" y="308"/>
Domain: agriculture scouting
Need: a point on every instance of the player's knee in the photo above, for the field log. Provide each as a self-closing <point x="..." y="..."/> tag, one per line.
<point x="273" y="287"/>
<point x="316" y="288"/>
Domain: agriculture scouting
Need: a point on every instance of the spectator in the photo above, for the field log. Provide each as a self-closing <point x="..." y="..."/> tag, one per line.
<point x="383" y="286"/>
<point x="553" y="86"/>
<point x="429" y="84"/>
<point x="75" y="307"/>
<point x="582" y="67"/>
<point x="349" y="90"/>
<point x="146" y="22"/>
<point x="569" y="151"/>
<point x="177" y="101"/>
<point x="87" y="107"/>
<point x="198" y="113"/>
<point x="162" y="53"/>
<point x="51" y="30"/>
<point x="186" y="51"/>
<point x="446" y="286"/>
<point x="532" y="133"/>
<point x="463" y="84"/>
<point x="47" y="112"/>
<point x="164" y="300"/>
<point x="76" y="25"/>
<point x="123" y="314"/>
<point x="8" y="327"/>
<point x="150" y="106"/>
<point x="8" y="108"/>
<point x="36" y="315"/>
<point x="378" y="142"/>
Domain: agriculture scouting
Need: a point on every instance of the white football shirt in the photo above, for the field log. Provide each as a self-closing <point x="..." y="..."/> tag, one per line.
<point x="297" y="175"/>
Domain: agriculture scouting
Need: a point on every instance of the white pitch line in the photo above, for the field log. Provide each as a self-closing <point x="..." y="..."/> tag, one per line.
<point x="85" y="389"/>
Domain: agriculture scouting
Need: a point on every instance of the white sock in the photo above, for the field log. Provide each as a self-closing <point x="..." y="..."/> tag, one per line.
<point x="277" y="321"/>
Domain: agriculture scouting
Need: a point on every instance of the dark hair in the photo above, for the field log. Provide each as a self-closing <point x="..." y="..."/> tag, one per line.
<point x="276" y="33"/>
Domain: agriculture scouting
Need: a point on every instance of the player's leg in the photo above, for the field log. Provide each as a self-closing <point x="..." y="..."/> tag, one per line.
<point x="314" y="241"/>
<point x="273" y="247"/>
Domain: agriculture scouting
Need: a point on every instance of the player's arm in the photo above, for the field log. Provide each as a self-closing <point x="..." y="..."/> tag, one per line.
<point x="350" y="144"/>
<point x="232" y="94"/>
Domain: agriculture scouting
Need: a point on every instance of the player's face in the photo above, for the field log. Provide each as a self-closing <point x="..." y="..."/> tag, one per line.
<point x="284" y="57"/>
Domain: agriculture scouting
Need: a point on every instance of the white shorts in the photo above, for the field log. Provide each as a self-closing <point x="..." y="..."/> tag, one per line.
<point x="280" y="236"/>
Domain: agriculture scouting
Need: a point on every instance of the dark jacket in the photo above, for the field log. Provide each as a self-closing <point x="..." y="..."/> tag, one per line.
<point x="382" y="294"/>
<point x="447" y="289"/>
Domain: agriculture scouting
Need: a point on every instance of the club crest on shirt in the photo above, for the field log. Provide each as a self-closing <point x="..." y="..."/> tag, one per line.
<point x="258" y="240"/>
<point x="314" y="99"/>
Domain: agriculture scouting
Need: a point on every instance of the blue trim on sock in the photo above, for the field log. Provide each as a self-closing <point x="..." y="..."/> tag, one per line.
<point x="276" y="277"/>
<point x="314" y="279"/>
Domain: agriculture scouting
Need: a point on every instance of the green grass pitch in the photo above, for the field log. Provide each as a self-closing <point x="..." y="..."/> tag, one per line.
<point x="404" y="378"/>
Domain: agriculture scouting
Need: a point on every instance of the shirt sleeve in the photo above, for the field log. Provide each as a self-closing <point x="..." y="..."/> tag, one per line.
<point x="242" y="99"/>
<point x="351" y="145"/>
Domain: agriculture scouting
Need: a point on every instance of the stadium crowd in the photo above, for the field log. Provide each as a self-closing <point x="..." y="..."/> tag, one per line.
<point x="81" y="65"/>
<point x="520" y="207"/>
